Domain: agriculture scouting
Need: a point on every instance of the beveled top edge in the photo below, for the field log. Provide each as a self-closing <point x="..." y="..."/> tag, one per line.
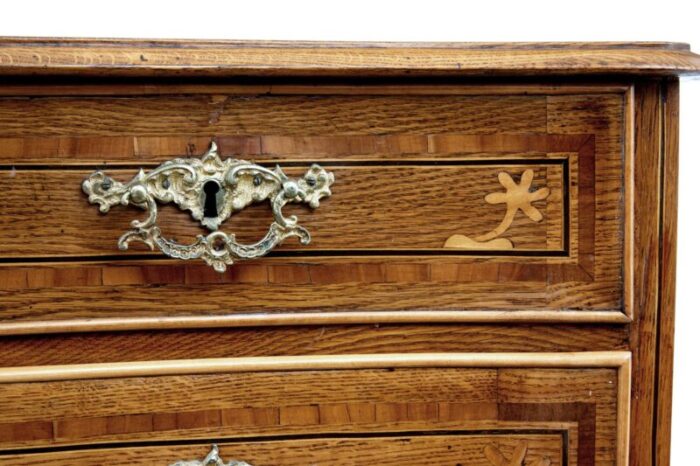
<point x="203" y="58"/>
<point x="303" y="44"/>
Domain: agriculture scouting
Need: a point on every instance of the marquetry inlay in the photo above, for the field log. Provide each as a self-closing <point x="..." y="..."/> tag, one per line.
<point x="518" y="196"/>
<point x="497" y="458"/>
<point x="481" y="289"/>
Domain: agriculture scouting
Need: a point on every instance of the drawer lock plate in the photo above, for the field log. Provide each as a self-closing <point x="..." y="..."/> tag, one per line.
<point x="211" y="190"/>
<point x="212" y="459"/>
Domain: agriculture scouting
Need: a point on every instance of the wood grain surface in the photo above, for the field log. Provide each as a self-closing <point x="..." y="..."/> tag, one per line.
<point x="643" y="330"/>
<point x="382" y="208"/>
<point x="669" y="214"/>
<point x="130" y="358"/>
<point x="579" y="393"/>
<point x="390" y="451"/>
<point x="391" y="204"/>
<point x="227" y="59"/>
<point x="38" y="350"/>
<point x="210" y="115"/>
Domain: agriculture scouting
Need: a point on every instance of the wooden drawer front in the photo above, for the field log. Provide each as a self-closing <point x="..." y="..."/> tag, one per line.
<point x="470" y="449"/>
<point x="567" y="407"/>
<point x="418" y="221"/>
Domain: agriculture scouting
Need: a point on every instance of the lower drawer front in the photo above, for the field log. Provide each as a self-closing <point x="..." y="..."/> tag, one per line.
<point x="454" y="449"/>
<point x="564" y="408"/>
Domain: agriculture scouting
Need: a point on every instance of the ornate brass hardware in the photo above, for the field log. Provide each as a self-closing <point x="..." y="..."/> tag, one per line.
<point x="212" y="190"/>
<point x="212" y="459"/>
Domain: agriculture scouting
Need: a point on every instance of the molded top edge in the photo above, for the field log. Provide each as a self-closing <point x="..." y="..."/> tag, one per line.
<point x="203" y="43"/>
<point x="23" y="56"/>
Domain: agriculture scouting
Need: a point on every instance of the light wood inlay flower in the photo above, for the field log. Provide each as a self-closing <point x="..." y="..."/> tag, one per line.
<point x="517" y="197"/>
<point x="496" y="458"/>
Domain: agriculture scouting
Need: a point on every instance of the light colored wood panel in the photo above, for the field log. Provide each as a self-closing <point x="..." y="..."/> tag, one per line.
<point x="164" y="426"/>
<point x="74" y="325"/>
<point x="467" y="411"/>
<point x="295" y="391"/>
<point x="250" y="416"/>
<point x="601" y="385"/>
<point x="260" y="59"/>
<point x="585" y="114"/>
<point x="76" y="276"/>
<point x="643" y="330"/>
<point x="148" y="150"/>
<point x="416" y="392"/>
<point x="536" y="144"/>
<point x="348" y="361"/>
<point x="401" y="450"/>
<point x="299" y="415"/>
<point x="410" y="207"/>
<point x="236" y="115"/>
<point x="304" y="340"/>
<point x="294" y="303"/>
<point x="596" y="114"/>
<point x="557" y="385"/>
<point x="324" y="269"/>
<point x="646" y="333"/>
<point x="609" y="119"/>
<point x="667" y="266"/>
<point x="158" y="87"/>
<point x="334" y="146"/>
<point x="624" y="411"/>
<point x="13" y="279"/>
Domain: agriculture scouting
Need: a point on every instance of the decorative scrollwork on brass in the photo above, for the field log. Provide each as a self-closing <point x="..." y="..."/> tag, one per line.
<point x="517" y="197"/>
<point x="497" y="458"/>
<point x="212" y="190"/>
<point x="212" y="459"/>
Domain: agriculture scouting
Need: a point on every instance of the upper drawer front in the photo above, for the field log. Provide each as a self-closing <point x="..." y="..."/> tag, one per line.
<point x="565" y="408"/>
<point x="448" y="202"/>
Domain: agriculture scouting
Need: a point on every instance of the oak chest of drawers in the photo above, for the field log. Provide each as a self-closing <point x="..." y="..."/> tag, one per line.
<point x="337" y="254"/>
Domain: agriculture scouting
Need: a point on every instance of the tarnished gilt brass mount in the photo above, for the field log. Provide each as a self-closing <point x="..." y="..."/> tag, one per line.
<point x="212" y="459"/>
<point x="212" y="190"/>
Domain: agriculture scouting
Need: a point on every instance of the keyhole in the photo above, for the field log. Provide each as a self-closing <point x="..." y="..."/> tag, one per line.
<point x="211" y="188"/>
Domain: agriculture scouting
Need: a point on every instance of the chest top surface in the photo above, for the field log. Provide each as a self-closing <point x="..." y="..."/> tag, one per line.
<point x="187" y="58"/>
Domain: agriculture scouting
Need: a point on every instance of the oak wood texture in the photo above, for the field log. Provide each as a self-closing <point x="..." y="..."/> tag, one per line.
<point x="75" y="325"/>
<point x="121" y="58"/>
<point x="101" y="347"/>
<point x="317" y="394"/>
<point x="369" y="210"/>
<point x="378" y="246"/>
<point x="333" y="354"/>
<point x="320" y="362"/>
<point x="667" y="278"/>
<point x="395" y="450"/>
<point x="643" y="331"/>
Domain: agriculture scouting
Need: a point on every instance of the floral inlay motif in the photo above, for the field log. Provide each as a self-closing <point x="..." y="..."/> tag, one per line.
<point x="517" y="197"/>
<point x="497" y="458"/>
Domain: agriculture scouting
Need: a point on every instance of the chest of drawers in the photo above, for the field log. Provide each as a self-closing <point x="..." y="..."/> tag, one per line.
<point x="469" y="252"/>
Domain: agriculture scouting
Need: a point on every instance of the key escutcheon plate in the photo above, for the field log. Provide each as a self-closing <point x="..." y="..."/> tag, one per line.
<point x="212" y="459"/>
<point x="211" y="190"/>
